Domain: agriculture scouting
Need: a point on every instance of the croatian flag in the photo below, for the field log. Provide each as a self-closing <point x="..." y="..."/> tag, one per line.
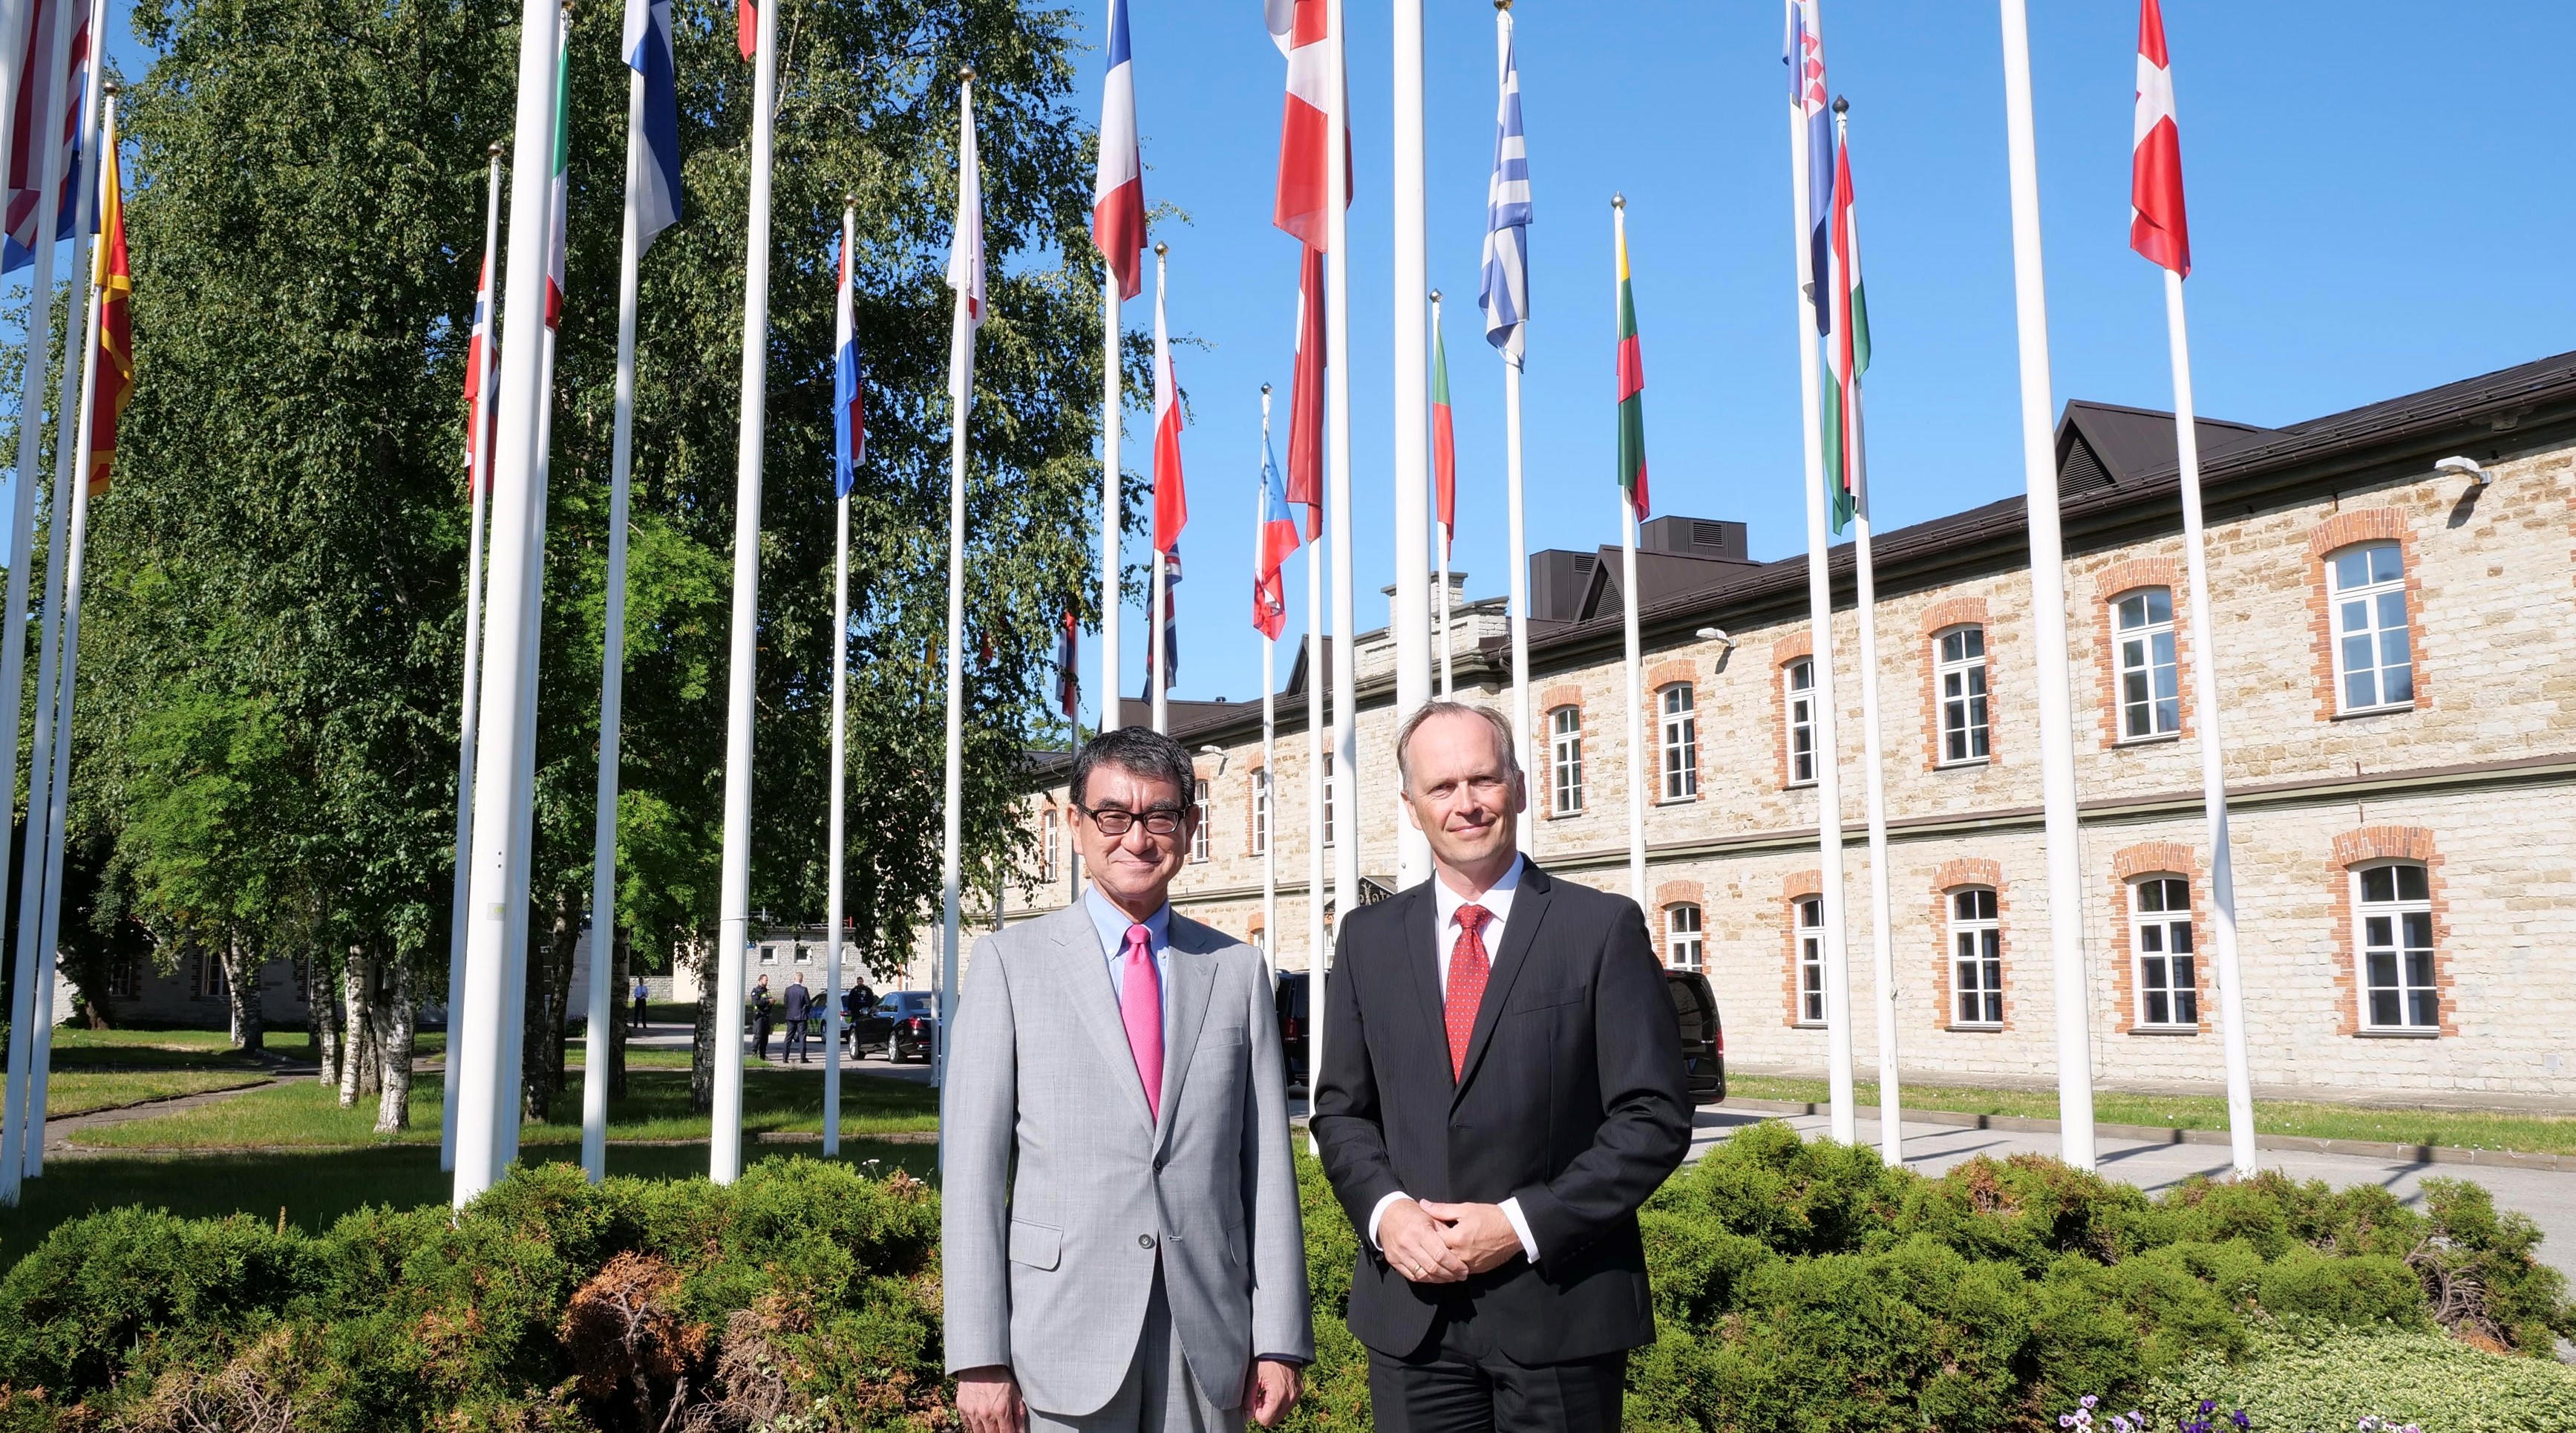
<point x="849" y="399"/>
<point x="1278" y="539"/>
<point x="1118" y="193"/>
<point x="1298" y="28"/>
<point x="657" y="178"/>
<point x="1068" y="687"/>
<point x="561" y="191"/>
<point x="1306" y="396"/>
<point x="2156" y="225"/>
<point x="1505" y="297"/>
<point x="478" y="358"/>
<point x="38" y="96"/>
<point x="1806" y="60"/>
<point x="1171" y="498"/>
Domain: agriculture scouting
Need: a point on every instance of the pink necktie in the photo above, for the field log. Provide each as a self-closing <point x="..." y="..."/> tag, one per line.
<point x="1140" y="1009"/>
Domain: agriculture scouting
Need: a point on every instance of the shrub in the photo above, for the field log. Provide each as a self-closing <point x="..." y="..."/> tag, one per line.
<point x="2327" y="1381"/>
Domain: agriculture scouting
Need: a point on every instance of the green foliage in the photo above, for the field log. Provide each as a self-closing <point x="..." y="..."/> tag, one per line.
<point x="2326" y="1380"/>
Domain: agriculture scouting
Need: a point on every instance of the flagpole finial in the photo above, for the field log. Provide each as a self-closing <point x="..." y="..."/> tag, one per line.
<point x="496" y="149"/>
<point x="1161" y="248"/>
<point x="966" y="73"/>
<point x="1841" y="105"/>
<point x="1435" y="296"/>
<point x="109" y="87"/>
<point x="1265" y="390"/>
<point x="1502" y="4"/>
<point x="1618" y="201"/>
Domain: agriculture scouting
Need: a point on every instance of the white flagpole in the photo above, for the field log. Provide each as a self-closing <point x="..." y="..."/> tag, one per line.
<point x="482" y="1018"/>
<point x="1318" y="953"/>
<point x="1635" y="672"/>
<point x="961" y="388"/>
<point x="478" y="476"/>
<point x="1268" y="792"/>
<point x="1410" y="618"/>
<point x="22" y="1123"/>
<point x="832" y="889"/>
<point x="1820" y="621"/>
<point x="2213" y="754"/>
<point x="612" y="665"/>
<point x="1111" y="531"/>
<point x="1337" y="440"/>
<point x="1442" y="533"/>
<point x="1533" y="748"/>
<point x="733" y="921"/>
<point x="1154" y="643"/>
<point x="2048" y="614"/>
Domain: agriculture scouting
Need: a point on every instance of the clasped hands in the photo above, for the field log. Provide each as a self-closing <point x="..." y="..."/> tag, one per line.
<point x="1433" y="1243"/>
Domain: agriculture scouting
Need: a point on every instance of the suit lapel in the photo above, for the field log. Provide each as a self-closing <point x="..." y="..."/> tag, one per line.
<point x="1188" y="981"/>
<point x="1422" y="968"/>
<point x="1085" y="973"/>
<point x="1529" y="911"/>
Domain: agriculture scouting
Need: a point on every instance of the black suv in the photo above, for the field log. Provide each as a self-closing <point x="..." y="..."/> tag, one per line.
<point x="905" y="1025"/>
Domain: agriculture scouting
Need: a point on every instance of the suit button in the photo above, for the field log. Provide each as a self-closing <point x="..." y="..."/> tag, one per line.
<point x="1144" y="1241"/>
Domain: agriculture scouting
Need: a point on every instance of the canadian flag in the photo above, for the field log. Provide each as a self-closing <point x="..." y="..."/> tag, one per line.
<point x="2157" y="228"/>
<point x="1305" y="124"/>
<point x="1171" y="500"/>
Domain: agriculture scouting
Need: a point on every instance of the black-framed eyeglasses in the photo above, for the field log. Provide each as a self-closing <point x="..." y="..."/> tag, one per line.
<point x="1158" y="821"/>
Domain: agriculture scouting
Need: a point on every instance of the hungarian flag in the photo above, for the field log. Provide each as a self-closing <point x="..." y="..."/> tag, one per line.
<point x="1844" y="465"/>
<point x="1806" y="59"/>
<point x="849" y="399"/>
<point x="657" y="175"/>
<point x="561" y="207"/>
<point x="2156" y="225"/>
<point x="1444" y="442"/>
<point x="1118" y="191"/>
<point x="1068" y="686"/>
<point x="1306" y="396"/>
<point x="478" y="364"/>
<point x="1277" y="539"/>
<point x="1171" y="498"/>
<point x="114" y="280"/>
<point x="41" y="93"/>
<point x="1305" y="124"/>
<point x="1632" y="387"/>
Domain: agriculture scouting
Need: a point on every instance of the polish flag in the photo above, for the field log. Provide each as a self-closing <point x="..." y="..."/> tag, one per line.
<point x="1171" y="499"/>
<point x="1118" y="193"/>
<point x="1306" y="400"/>
<point x="2156" y="225"/>
<point x="1298" y="28"/>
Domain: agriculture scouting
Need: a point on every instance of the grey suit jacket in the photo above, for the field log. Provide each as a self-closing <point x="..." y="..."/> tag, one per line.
<point x="1061" y="1193"/>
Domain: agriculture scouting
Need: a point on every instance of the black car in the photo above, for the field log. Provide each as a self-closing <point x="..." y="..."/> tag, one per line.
<point x="1694" y="1008"/>
<point x="905" y="1025"/>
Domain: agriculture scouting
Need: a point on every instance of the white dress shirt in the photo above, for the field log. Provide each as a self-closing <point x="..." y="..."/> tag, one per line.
<point x="1445" y="904"/>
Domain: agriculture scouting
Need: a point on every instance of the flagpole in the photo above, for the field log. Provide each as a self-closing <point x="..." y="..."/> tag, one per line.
<point x="733" y="921"/>
<point x="1161" y="713"/>
<point x="961" y="387"/>
<point x="1111" y="530"/>
<point x="1820" y="622"/>
<point x="1317" y="952"/>
<point x="1635" y="671"/>
<point x="2048" y="613"/>
<point x="1268" y="792"/>
<point x="478" y="476"/>
<point x="1337" y="420"/>
<point x="1532" y="752"/>
<point x="20" y="1122"/>
<point x="1445" y="533"/>
<point x="612" y="662"/>
<point x="1410" y="618"/>
<point x="1891" y="1138"/>
<point x="832" y="887"/>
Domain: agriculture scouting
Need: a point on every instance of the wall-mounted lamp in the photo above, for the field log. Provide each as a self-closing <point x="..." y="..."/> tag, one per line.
<point x="2466" y="468"/>
<point x="1219" y="753"/>
<point x="1717" y="635"/>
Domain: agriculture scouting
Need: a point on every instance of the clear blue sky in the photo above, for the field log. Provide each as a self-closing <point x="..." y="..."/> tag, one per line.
<point x="2380" y="203"/>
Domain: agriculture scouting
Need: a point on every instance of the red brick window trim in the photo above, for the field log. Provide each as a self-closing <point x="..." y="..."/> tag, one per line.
<point x="2138" y="577"/>
<point x="2400" y="921"/>
<point x="1253" y="827"/>
<point x="2358" y="527"/>
<point x="1955" y="877"/>
<point x="1941" y="617"/>
<point x="1797" y="891"/>
<point x="1690" y="900"/>
<point x="2151" y="860"/>
<point x="1786" y="655"/>
<point x="1563" y="793"/>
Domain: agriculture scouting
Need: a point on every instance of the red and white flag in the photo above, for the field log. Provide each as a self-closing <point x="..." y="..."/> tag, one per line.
<point x="1171" y="499"/>
<point x="966" y="251"/>
<point x="1118" y="193"/>
<point x="1305" y="123"/>
<point x="1306" y="398"/>
<point x="479" y="352"/>
<point x="2157" y="228"/>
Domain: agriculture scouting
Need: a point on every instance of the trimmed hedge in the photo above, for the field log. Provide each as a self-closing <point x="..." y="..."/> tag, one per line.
<point x="1799" y="1288"/>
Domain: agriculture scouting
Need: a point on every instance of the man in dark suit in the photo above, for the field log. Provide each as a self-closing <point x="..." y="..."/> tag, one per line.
<point x="793" y="1007"/>
<point x="1502" y="1088"/>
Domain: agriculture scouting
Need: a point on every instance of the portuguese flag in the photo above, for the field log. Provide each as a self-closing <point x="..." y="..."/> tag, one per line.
<point x="1444" y="439"/>
<point x="1632" y="386"/>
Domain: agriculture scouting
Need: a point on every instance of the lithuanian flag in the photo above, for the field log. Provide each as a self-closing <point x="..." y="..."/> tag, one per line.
<point x="1632" y="381"/>
<point x="114" y="377"/>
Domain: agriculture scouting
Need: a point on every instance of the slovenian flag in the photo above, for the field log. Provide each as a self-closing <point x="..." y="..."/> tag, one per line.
<point x="37" y="95"/>
<point x="1845" y="469"/>
<point x="1277" y="539"/>
<point x="1118" y="191"/>
<point x="113" y="276"/>
<point x="849" y="399"/>
<point x="1806" y="59"/>
<point x="2157" y="227"/>
<point x="1171" y="498"/>
<point x="1444" y="442"/>
<point x="1632" y="387"/>
<point x="561" y="207"/>
<point x="657" y="176"/>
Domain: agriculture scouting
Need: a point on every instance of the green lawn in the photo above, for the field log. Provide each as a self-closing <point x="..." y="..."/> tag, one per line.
<point x="78" y="1092"/>
<point x="304" y="1113"/>
<point x="2524" y="1133"/>
<point x="314" y="1188"/>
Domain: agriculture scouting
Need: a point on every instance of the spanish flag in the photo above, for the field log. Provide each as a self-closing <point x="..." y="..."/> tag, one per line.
<point x="113" y="378"/>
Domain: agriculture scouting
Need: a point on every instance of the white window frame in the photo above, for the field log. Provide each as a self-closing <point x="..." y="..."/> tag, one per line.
<point x="1962" y="689"/>
<point x="2160" y="940"/>
<point x="1676" y="712"/>
<point x="1685" y="937"/>
<point x="1798" y="716"/>
<point x="2393" y="949"/>
<point x="207" y="981"/>
<point x="2150" y="676"/>
<point x="1565" y="760"/>
<point x="1975" y="953"/>
<point x="1203" y="837"/>
<point x="1048" y="827"/>
<point x="1809" y="913"/>
<point x="1261" y="811"/>
<point x="2361" y="627"/>
<point x="1328" y="800"/>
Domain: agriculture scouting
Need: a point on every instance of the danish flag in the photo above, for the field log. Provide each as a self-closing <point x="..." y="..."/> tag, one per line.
<point x="2157" y="228"/>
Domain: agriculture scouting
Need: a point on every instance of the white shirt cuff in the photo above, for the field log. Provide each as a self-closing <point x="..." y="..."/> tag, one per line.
<point x="1512" y="1211"/>
<point x="1380" y="1213"/>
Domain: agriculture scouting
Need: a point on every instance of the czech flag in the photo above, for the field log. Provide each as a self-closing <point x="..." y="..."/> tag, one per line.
<point x="1277" y="539"/>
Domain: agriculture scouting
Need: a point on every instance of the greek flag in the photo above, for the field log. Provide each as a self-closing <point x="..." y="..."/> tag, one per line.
<point x="1505" y="296"/>
<point x="657" y="178"/>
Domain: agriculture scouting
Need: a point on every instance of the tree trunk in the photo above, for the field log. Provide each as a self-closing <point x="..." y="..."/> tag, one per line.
<point x="394" y="1018"/>
<point x="324" y="1012"/>
<point x="241" y="985"/>
<point x="361" y="1069"/>
<point x="700" y="955"/>
<point x="541" y="1067"/>
<point x="624" y="949"/>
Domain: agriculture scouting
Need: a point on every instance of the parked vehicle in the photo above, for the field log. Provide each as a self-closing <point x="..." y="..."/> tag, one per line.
<point x="1290" y="1000"/>
<point x="905" y="1025"/>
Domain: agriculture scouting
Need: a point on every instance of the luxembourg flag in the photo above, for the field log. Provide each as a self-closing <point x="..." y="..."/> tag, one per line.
<point x="1171" y="499"/>
<point x="849" y="403"/>
<point x="1278" y="540"/>
<point x="26" y="156"/>
<point x="478" y="358"/>
<point x="657" y="178"/>
<point x="1298" y="28"/>
<point x="1118" y="193"/>
<point x="2157" y="228"/>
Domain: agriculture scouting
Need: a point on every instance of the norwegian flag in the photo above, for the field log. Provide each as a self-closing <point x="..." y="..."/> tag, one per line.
<point x="2156" y="225"/>
<point x="479" y="353"/>
<point x="1171" y="498"/>
<point x="1118" y="193"/>
<point x="1298" y="28"/>
<point x="1306" y="397"/>
<point x="1068" y="686"/>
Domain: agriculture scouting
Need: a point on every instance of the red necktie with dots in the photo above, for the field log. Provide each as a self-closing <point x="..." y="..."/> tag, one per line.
<point x="1467" y="969"/>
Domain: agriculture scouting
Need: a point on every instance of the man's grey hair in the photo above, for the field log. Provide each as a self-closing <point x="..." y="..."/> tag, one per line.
<point x="1141" y="751"/>
<point x="1501" y="725"/>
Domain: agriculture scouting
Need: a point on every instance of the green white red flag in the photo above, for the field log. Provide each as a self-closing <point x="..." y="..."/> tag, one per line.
<point x="1444" y="441"/>
<point x="1848" y="339"/>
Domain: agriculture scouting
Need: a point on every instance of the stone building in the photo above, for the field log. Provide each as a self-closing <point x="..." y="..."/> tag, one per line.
<point x="2397" y="668"/>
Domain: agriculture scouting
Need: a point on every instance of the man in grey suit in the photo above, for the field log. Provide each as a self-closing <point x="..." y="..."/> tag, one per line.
<point x="1120" y="1234"/>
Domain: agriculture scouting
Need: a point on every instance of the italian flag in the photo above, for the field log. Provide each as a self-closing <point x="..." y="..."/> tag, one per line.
<point x="1849" y="338"/>
<point x="1444" y="442"/>
<point x="1632" y="386"/>
<point x="562" y="191"/>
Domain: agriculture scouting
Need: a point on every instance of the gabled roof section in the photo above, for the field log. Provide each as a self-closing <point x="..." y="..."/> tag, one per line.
<point x="2103" y="445"/>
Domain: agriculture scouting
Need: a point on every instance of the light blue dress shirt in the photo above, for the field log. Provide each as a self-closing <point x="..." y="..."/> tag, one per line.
<point x="1112" y="924"/>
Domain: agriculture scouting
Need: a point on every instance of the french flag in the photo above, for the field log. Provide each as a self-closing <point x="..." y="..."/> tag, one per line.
<point x="478" y="360"/>
<point x="657" y="179"/>
<point x="1278" y="539"/>
<point x="1171" y="499"/>
<point x="2157" y="227"/>
<point x="1118" y="193"/>
<point x="38" y="94"/>
<point x="1305" y="125"/>
<point x="849" y="390"/>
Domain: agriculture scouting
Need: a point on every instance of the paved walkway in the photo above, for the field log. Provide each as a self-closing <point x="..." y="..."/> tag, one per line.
<point x="2548" y="1196"/>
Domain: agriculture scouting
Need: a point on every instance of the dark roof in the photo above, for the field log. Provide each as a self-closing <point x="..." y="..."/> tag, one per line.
<point x="2104" y="445"/>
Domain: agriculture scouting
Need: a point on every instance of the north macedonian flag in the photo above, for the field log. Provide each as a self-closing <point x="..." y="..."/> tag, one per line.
<point x="115" y="282"/>
<point x="1632" y="390"/>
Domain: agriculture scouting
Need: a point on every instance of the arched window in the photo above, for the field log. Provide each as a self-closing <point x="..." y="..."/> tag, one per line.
<point x="1798" y="711"/>
<point x="1682" y="949"/>
<point x="2374" y="667"/>
<point x="1811" y="960"/>
<point x="1565" y="759"/>
<point x="2160" y="939"/>
<point x="2393" y="934"/>
<point x="2150" y="689"/>
<point x="1959" y="675"/>
<point x="1681" y="742"/>
<point x="1976" y="957"/>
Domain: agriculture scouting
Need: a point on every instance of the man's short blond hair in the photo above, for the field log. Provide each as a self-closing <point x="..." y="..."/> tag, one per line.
<point x="1502" y="728"/>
